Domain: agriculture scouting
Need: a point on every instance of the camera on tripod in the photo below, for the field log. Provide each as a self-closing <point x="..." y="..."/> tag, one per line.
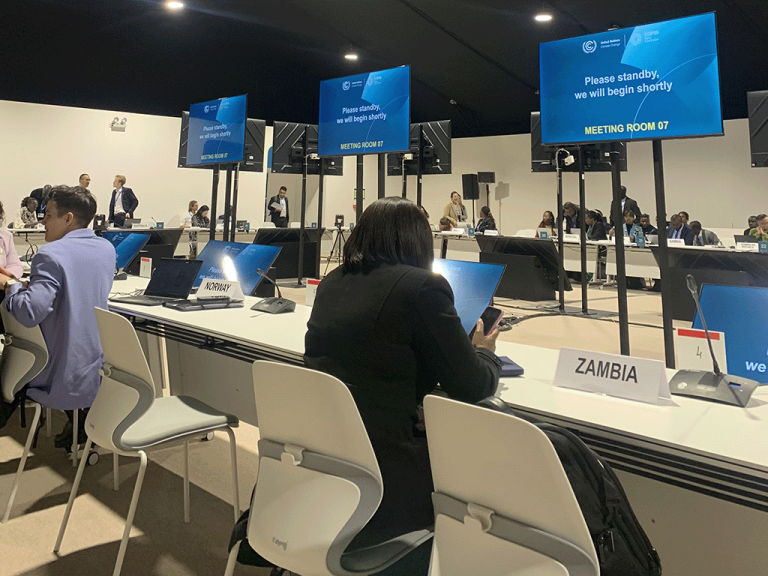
<point x="339" y="222"/>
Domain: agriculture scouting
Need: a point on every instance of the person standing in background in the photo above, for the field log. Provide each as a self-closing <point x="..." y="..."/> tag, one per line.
<point x="26" y="216"/>
<point x="571" y="218"/>
<point x="41" y="195"/>
<point x="455" y="210"/>
<point x="186" y="222"/>
<point x="123" y="203"/>
<point x="278" y="208"/>
<point x="84" y="181"/>
<point x="627" y="203"/>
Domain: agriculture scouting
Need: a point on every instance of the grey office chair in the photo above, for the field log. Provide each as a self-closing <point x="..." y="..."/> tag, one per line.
<point x="127" y="419"/>
<point x="319" y="482"/>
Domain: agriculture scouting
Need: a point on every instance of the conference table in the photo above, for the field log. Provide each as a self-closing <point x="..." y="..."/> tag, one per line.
<point x="696" y="472"/>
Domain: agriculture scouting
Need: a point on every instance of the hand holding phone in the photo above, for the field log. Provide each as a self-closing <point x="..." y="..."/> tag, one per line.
<point x="489" y="321"/>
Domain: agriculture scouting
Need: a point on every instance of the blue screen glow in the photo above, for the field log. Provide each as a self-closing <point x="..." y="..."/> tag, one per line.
<point x="365" y="113"/>
<point x="235" y="261"/>
<point x="473" y="285"/>
<point x="654" y="81"/>
<point x="217" y="131"/>
<point x="127" y="245"/>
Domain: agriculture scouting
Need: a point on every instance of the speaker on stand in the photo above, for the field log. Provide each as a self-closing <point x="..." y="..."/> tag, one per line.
<point x="471" y="190"/>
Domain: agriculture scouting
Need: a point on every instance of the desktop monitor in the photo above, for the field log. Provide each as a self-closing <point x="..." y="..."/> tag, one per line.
<point x="473" y="285"/>
<point x="236" y="261"/>
<point x="365" y="113"/>
<point x="253" y="155"/>
<point x="647" y="82"/>
<point x="734" y="310"/>
<point x="216" y="132"/>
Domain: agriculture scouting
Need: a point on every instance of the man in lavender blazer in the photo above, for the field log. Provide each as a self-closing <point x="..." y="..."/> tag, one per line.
<point x="71" y="275"/>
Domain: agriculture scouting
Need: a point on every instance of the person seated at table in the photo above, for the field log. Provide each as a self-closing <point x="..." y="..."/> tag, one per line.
<point x="703" y="237"/>
<point x="761" y="231"/>
<point x="455" y="210"/>
<point x="570" y="218"/>
<point x="200" y="219"/>
<point x="647" y="227"/>
<point x="629" y="227"/>
<point x="752" y="223"/>
<point x="385" y="324"/>
<point x="9" y="258"/>
<point x="71" y="275"/>
<point x="685" y="218"/>
<point x="26" y="216"/>
<point x="595" y="226"/>
<point x="487" y="221"/>
<point x="547" y="221"/>
<point x="445" y="225"/>
<point x="678" y="230"/>
<point x="186" y="218"/>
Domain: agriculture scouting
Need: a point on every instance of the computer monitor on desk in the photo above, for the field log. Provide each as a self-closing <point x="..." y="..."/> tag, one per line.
<point x="236" y="261"/>
<point x="532" y="266"/>
<point x="127" y="247"/>
<point x="129" y="222"/>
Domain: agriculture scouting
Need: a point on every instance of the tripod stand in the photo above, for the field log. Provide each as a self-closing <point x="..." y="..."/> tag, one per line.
<point x="338" y="247"/>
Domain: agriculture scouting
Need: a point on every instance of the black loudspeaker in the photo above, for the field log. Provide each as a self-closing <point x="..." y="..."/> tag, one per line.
<point x="469" y="185"/>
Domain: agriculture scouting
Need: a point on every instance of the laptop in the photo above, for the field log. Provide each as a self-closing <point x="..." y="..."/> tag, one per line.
<point x="172" y="280"/>
<point x="129" y="222"/>
<point x="653" y="239"/>
<point x="741" y="238"/>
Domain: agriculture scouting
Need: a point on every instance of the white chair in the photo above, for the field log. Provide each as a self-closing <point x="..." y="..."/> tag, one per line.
<point x="294" y="225"/>
<point x="24" y="357"/>
<point x="319" y="481"/>
<point x="267" y="224"/>
<point x="503" y="503"/>
<point x="127" y="419"/>
<point x="527" y="233"/>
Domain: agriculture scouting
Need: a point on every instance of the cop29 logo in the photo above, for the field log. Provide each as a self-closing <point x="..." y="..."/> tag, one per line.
<point x="589" y="46"/>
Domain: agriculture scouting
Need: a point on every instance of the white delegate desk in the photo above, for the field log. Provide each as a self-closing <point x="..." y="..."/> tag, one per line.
<point x="696" y="472"/>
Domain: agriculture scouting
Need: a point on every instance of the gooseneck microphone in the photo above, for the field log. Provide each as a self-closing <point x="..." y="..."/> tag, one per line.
<point x="273" y="305"/>
<point x="694" y="290"/>
<point x="264" y="276"/>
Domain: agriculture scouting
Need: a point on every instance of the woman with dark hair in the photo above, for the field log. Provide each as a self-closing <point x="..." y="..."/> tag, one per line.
<point x="455" y="210"/>
<point x="26" y="216"/>
<point x="424" y="211"/>
<point x="547" y="221"/>
<point x="385" y="324"/>
<point x="200" y="219"/>
<point x="595" y="226"/>
<point x="487" y="222"/>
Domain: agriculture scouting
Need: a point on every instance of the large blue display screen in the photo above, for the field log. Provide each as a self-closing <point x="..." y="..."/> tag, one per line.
<point x="655" y="81"/>
<point x="217" y="131"/>
<point x="365" y="113"/>
<point x="236" y="261"/>
<point x="127" y="245"/>
<point x="739" y="312"/>
<point x="473" y="285"/>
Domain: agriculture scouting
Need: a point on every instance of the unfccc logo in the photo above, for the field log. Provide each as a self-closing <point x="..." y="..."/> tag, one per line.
<point x="589" y="46"/>
<point x="345" y="85"/>
<point x="207" y="108"/>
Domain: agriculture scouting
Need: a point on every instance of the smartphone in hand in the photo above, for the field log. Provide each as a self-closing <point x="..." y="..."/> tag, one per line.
<point x="491" y="318"/>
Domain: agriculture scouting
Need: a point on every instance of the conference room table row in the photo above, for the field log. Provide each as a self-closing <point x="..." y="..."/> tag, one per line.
<point x="696" y="472"/>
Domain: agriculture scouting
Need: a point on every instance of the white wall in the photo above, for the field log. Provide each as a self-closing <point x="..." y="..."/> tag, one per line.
<point x="710" y="177"/>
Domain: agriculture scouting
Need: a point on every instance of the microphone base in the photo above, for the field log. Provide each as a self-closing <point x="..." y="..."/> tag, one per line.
<point x="274" y="305"/>
<point x="722" y="388"/>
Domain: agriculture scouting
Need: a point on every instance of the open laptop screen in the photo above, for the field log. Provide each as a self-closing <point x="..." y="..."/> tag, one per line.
<point x="173" y="278"/>
<point x="473" y="285"/>
<point x="236" y="261"/>
<point x="127" y="246"/>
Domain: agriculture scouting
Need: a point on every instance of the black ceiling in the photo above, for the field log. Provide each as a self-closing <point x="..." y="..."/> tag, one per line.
<point x="474" y="62"/>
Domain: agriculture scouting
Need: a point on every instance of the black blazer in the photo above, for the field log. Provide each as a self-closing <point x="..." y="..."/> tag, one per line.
<point x="129" y="201"/>
<point x="629" y="204"/>
<point x="597" y="232"/>
<point x="486" y="224"/>
<point x="274" y="215"/>
<point x="391" y="335"/>
<point x="686" y="234"/>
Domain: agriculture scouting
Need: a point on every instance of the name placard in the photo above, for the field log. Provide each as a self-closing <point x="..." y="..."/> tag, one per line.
<point x="693" y="351"/>
<point x="312" y="285"/>
<point x="141" y="226"/>
<point x="491" y="233"/>
<point x="571" y="238"/>
<point x="625" y="377"/>
<point x="675" y="242"/>
<point x="748" y="246"/>
<point x="212" y="287"/>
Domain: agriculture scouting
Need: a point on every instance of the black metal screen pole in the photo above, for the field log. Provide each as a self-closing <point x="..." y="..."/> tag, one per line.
<point x="227" y="201"/>
<point x="405" y="177"/>
<point x="299" y="283"/>
<point x="663" y="260"/>
<point x="561" y="271"/>
<point x="234" y="203"/>
<point x="382" y="175"/>
<point x="359" y="190"/>
<point x="214" y="200"/>
<point x="320" y="196"/>
<point x="621" y="262"/>
<point x="583" y="235"/>
<point x="419" y="167"/>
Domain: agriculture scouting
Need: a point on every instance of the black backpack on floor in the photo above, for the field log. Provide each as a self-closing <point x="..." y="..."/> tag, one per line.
<point x="622" y="547"/>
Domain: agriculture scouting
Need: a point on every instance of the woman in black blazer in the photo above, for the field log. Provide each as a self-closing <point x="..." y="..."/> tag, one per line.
<point x="385" y="324"/>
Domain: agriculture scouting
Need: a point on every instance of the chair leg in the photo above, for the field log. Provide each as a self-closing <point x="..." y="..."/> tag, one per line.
<point x="232" y="560"/>
<point x="235" y="488"/>
<point x="48" y="422"/>
<point x="71" y="500"/>
<point x="23" y="461"/>
<point x="115" y="472"/>
<point x="131" y="513"/>
<point x="186" y="481"/>
<point x="75" y="423"/>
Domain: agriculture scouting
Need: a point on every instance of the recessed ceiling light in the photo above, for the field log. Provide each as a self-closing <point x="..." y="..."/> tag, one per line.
<point x="543" y="17"/>
<point x="350" y="56"/>
<point x="174" y="5"/>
